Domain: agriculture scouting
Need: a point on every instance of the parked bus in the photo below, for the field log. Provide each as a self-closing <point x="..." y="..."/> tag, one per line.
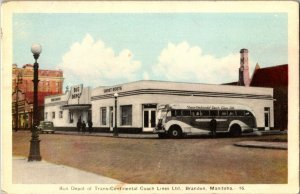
<point x="177" y="120"/>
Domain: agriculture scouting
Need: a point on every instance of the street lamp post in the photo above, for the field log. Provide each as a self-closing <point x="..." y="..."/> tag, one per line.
<point x="116" y="128"/>
<point x="34" y="154"/>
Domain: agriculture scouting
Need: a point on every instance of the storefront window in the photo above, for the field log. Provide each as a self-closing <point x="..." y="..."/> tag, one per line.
<point x="71" y="119"/>
<point x="103" y="115"/>
<point x="60" y="114"/>
<point x="126" y="115"/>
<point x="53" y="115"/>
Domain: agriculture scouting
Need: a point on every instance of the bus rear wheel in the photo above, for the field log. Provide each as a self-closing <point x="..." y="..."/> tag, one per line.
<point x="175" y="132"/>
<point x="235" y="131"/>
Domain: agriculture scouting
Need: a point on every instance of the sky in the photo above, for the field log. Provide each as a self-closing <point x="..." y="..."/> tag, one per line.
<point x="105" y="49"/>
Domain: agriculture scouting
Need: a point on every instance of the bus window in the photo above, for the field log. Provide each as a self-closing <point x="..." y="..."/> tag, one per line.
<point x="204" y="113"/>
<point x="195" y="112"/>
<point x="223" y="112"/>
<point x="178" y="112"/>
<point x="213" y="113"/>
<point x="240" y="113"/>
<point x="186" y="113"/>
<point x="231" y="113"/>
<point x="247" y="113"/>
<point x="173" y="113"/>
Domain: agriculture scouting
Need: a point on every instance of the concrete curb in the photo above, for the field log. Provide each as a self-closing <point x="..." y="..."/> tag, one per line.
<point x="261" y="144"/>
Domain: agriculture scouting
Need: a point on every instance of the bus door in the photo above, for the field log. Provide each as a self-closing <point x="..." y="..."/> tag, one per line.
<point x="267" y="118"/>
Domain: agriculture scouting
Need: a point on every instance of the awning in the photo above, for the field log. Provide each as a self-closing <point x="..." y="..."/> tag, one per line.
<point x="77" y="106"/>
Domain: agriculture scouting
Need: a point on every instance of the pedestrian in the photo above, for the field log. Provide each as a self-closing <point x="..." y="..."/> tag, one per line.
<point x="79" y="124"/>
<point x="83" y="127"/>
<point x="90" y="124"/>
<point x="213" y="127"/>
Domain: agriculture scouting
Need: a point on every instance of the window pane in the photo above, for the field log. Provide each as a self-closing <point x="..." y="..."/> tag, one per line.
<point x="240" y="113"/>
<point x="204" y="113"/>
<point x="223" y="113"/>
<point x="214" y="113"/>
<point x="195" y="112"/>
<point x="71" y="117"/>
<point x="231" y="113"/>
<point x="103" y="115"/>
<point x="126" y="115"/>
<point x="178" y="112"/>
<point x="186" y="113"/>
<point x="247" y="113"/>
<point x="146" y="119"/>
<point x="173" y="113"/>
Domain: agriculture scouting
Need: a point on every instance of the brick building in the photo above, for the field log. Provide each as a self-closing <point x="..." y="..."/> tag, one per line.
<point x="50" y="83"/>
<point x="275" y="77"/>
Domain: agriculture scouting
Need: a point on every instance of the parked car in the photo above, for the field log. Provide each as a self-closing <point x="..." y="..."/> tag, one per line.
<point x="46" y="127"/>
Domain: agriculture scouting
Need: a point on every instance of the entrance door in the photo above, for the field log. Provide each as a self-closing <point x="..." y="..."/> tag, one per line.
<point x="267" y="118"/>
<point x="149" y="119"/>
<point x="111" y="118"/>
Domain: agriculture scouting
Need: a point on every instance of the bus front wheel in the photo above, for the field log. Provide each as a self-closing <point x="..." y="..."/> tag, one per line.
<point x="235" y="131"/>
<point x="175" y="132"/>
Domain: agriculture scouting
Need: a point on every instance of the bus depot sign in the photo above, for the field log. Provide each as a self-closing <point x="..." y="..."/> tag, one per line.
<point x="76" y="91"/>
<point x="114" y="89"/>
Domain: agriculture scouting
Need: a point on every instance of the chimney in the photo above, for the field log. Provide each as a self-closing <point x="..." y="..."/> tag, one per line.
<point x="244" y="77"/>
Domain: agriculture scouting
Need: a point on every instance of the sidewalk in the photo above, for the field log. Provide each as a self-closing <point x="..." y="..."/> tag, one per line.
<point x="262" y="144"/>
<point x="49" y="173"/>
<point x="155" y="136"/>
<point x="102" y="134"/>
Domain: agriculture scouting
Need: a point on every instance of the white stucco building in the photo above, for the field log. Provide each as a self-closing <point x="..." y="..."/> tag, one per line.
<point x="65" y="110"/>
<point x="137" y="102"/>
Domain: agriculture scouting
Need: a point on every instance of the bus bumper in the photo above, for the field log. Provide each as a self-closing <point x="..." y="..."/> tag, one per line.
<point x="159" y="130"/>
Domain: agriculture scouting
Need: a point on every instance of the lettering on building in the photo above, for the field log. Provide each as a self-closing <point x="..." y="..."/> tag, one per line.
<point x="114" y="89"/>
<point x="55" y="99"/>
<point x="76" y="91"/>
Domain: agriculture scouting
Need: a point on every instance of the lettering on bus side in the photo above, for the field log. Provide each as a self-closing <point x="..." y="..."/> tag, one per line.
<point x="212" y="107"/>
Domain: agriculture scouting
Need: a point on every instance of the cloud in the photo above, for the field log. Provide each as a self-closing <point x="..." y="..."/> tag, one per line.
<point x="183" y="62"/>
<point x="93" y="63"/>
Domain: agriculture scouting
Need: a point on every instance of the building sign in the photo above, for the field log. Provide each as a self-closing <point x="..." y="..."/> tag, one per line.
<point x="76" y="91"/>
<point x="114" y="89"/>
<point x="55" y="99"/>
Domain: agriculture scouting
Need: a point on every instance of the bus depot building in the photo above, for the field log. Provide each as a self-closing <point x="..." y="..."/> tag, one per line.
<point x="65" y="110"/>
<point x="137" y="102"/>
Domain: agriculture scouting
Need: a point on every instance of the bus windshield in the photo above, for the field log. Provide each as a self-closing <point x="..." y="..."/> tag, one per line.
<point x="162" y="113"/>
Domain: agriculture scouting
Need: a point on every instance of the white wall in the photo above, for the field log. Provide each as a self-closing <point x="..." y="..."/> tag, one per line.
<point x="257" y="105"/>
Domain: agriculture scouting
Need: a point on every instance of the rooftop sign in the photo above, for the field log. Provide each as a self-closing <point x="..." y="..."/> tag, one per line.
<point x="113" y="89"/>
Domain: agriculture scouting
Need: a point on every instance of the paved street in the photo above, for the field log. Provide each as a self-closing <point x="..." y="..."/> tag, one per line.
<point x="153" y="160"/>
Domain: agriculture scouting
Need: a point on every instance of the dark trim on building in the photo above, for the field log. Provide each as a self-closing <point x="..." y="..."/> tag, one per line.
<point x="183" y="93"/>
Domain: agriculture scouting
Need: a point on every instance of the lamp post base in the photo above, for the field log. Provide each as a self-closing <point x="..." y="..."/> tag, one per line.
<point x="34" y="154"/>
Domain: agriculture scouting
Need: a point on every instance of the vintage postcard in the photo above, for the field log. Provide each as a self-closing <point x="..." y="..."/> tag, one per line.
<point x="150" y="97"/>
